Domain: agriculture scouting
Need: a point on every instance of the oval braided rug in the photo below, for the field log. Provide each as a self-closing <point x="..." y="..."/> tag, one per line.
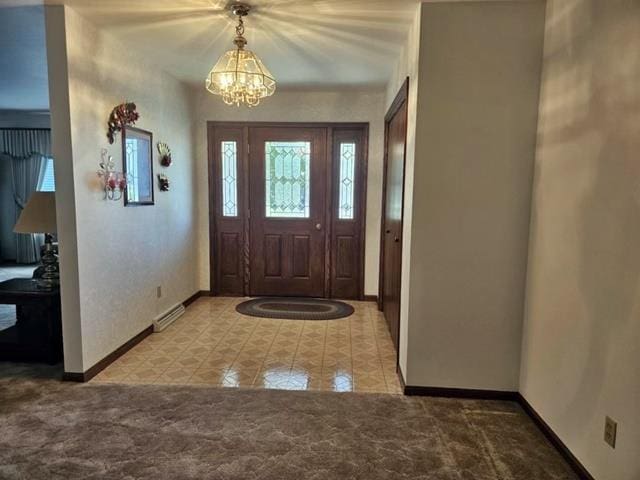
<point x="295" y="308"/>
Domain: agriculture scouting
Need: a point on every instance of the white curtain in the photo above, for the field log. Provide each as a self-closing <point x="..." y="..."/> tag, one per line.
<point x="29" y="151"/>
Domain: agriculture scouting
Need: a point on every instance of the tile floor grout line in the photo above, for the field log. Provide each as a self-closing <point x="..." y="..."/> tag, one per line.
<point x="297" y="348"/>
<point x="240" y="350"/>
<point x="184" y="350"/>
<point x="226" y="332"/>
<point x="379" y="357"/>
<point x="324" y="349"/>
<point x="267" y="353"/>
<point x="353" y="376"/>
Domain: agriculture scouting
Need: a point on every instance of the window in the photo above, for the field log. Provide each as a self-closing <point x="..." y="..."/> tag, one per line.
<point x="347" y="180"/>
<point x="288" y="179"/>
<point x="132" y="169"/>
<point x="47" y="181"/>
<point x="229" y="179"/>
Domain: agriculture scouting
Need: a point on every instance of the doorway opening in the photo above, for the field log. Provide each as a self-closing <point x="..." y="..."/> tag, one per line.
<point x="287" y="205"/>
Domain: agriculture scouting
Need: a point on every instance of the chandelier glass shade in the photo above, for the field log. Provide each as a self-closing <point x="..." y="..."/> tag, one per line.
<point x="240" y="77"/>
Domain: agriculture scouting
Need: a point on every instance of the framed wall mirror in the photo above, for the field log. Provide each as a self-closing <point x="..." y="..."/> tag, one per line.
<point x="137" y="156"/>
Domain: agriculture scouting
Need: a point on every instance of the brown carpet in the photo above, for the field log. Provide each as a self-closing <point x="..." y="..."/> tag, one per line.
<point x="54" y="430"/>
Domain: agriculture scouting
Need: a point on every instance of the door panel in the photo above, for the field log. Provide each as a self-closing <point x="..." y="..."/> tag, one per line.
<point x="348" y="212"/>
<point x="288" y="202"/>
<point x="227" y="187"/>
<point x="391" y="248"/>
<point x="346" y="267"/>
<point x="301" y="258"/>
<point x="273" y="256"/>
<point x="230" y="245"/>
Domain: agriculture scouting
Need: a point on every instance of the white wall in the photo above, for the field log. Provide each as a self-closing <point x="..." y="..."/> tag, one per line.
<point x="581" y="347"/>
<point x="112" y="258"/>
<point x="299" y="106"/>
<point x="479" y="74"/>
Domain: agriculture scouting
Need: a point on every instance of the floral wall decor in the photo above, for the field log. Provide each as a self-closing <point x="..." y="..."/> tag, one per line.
<point x="164" y="154"/>
<point x="121" y="116"/>
<point x="163" y="181"/>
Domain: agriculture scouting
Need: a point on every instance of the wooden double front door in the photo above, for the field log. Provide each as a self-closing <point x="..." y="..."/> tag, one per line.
<point x="287" y="204"/>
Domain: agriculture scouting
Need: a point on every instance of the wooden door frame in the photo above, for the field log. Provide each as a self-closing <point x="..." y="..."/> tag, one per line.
<point x="213" y="180"/>
<point x="400" y="99"/>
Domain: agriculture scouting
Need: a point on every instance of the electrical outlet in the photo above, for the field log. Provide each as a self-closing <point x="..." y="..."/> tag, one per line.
<point x="610" y="430"/>
<point x="159" y="291"/>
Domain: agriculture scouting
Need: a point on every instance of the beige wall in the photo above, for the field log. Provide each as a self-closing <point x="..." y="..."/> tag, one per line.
<point x="581" y="347"/>
<point x="479" y="74"/>
<point x="299" y="106"/>
<point x="112" y="258"/>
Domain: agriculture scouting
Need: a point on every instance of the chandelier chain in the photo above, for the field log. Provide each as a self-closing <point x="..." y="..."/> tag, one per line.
<point x="240" y="27"/>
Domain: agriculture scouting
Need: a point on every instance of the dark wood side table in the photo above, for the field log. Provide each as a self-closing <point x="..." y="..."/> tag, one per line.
<point x="37" y="334"/>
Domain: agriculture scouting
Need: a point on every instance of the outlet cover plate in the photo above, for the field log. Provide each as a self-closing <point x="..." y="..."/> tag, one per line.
<point x="610" y="431"/>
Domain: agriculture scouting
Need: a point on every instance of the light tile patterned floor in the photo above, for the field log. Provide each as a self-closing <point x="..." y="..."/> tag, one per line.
<point x="212" y="344"/>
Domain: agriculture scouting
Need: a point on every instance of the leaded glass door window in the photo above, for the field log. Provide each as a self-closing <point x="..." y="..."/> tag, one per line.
<point x="346" y="180"/>
<point x="229" y="156"/>
<point x="287" y="179"/>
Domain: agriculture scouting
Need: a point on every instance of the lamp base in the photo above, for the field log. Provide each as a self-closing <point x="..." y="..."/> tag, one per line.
<point x="51" y="276"/>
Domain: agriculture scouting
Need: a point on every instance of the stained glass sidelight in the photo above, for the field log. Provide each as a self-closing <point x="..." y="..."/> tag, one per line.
<point x="229" y="179"/>
<point x="347" y="180"/>
<point x="287" y="179"/>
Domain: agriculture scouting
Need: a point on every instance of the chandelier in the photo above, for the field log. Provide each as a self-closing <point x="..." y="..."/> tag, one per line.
<point x="239" y="76"/>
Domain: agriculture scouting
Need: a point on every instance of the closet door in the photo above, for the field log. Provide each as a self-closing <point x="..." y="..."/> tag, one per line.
<point x="392" y="211"/>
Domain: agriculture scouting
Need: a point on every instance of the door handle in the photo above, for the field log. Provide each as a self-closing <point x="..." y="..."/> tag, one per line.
<point x="318" y="226"/>
<point x="396" y="239"/>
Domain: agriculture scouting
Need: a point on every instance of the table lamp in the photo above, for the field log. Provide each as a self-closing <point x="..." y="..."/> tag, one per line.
<point x="39" y="216"/>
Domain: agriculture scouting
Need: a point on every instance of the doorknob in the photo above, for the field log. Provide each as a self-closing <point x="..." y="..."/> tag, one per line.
<point x="318" y="226"/>
<point x="396" y="239"/>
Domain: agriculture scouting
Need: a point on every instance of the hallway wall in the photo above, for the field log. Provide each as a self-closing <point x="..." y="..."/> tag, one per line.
<point x="581" y="346"/>
<point x="113" y="258"/>
<point x="476" y="116"/>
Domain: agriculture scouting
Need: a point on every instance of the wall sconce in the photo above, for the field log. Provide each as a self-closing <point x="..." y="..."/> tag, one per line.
<point x="114" y="182"/>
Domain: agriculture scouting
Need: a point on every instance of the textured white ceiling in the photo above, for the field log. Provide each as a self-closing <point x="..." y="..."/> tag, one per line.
<point x="304" y="42"/>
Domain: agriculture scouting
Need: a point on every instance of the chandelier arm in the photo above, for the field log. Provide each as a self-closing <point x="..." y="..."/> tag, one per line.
<point x="235" y="78"/>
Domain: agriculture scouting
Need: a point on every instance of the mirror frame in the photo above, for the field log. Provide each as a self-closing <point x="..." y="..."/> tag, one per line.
<point x="140" y="132"/>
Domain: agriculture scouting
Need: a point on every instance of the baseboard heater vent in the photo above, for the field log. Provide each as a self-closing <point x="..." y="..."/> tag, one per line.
<point x="168" y="318"/>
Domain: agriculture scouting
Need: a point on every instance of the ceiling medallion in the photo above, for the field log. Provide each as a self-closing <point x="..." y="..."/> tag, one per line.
<point x="239" y="76"/>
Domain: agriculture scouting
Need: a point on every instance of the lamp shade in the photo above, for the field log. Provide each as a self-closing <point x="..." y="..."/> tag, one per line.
<point x="39" y="215"/>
